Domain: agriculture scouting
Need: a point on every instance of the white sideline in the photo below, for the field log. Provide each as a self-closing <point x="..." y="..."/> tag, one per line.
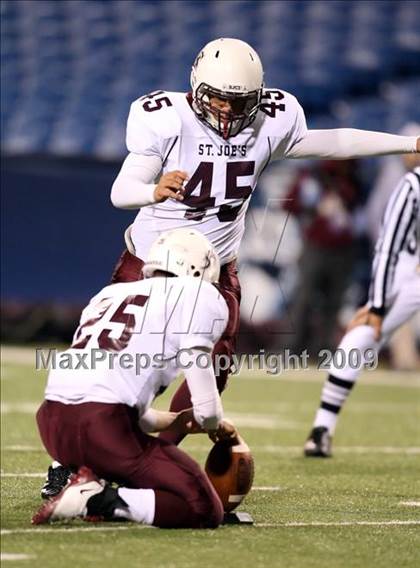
<point x="393" y="523"/>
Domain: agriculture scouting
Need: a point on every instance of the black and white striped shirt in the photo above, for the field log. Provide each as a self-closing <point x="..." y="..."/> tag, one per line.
<point x="399" y="232"/>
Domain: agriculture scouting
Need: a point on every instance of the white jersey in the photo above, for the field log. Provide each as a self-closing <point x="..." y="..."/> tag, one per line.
<point x="397" y="251"/>
<point x="222" y="173"/>
<point x="131" y="339"/>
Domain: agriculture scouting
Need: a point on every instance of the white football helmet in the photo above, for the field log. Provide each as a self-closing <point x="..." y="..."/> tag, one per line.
<point x="183" y="252"/>
<point x="229" y="69"/>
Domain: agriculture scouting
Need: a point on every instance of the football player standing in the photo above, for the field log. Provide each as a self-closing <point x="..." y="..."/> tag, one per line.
<point x="394" y="298"/>
<point x="194" y="160"/>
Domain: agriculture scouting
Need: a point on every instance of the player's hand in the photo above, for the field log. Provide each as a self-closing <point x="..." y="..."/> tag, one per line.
<point x="225" y="431"/>
<point x="185" y="423"/>
<point x="364" y="316"/>
<point x="170" y="185"/>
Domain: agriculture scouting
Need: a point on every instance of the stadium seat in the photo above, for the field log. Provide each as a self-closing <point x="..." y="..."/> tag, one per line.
<point x="70" y="69"/>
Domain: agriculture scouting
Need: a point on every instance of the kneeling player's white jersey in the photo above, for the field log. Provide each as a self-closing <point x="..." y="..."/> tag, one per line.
<point x="222" y="173"/>
<point x="130" y="343"/>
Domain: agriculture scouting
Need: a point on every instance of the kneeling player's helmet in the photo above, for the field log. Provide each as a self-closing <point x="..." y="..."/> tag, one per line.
<point x="229" y="69"/>
<point x="183" y="252"/>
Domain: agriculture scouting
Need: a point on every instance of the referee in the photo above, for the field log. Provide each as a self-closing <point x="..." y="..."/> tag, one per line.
<point x="394" y="297"/>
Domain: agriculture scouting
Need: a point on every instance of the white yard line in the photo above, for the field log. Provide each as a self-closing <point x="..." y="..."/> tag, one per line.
<point x="392" y="450"/>
<point x="361" y="450"/>
<point x="379" y="377"/>
<point x="42" y="530"/>
<point x="24" y="474"/>
<point x="264" y="421"/>
<point x="22" y="448"/>
<point x="244" y="420"/>
<point x="24" y="407"/>
<point x="267" y="449"/>
<point x="340" y="524"/>
<point x="68" y="529"/>
<point x="410" y="503"/>
<point x="43" y="474"/>
<point x="11" y="556"/>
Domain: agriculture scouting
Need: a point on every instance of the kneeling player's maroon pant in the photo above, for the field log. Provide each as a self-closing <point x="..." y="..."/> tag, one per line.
<point x="129" y="268"/>
<point x="107" y="438"/>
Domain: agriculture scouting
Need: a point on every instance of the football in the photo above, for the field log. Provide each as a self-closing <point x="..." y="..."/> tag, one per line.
<point x="230" y="468"/>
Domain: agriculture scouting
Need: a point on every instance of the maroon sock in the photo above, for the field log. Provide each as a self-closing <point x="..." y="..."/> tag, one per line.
<point x="171" y="511"/>
<point x="180" y="401"/>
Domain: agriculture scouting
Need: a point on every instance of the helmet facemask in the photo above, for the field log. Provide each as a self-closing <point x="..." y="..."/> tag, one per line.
<point x="226" y="123"/>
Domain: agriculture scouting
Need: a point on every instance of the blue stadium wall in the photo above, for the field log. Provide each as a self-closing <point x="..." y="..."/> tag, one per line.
<point x="61" y="236"/>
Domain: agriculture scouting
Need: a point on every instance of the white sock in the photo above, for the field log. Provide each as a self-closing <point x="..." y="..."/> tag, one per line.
<point x="359" y="339"/>
<point x="341" y="379"/>
<point x="327" y="419"/>
<point x="141" y="505"/>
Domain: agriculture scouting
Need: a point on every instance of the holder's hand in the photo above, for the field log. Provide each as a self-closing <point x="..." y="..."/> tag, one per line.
<point x="225" y="431"/>
<point x="184" y="423"/>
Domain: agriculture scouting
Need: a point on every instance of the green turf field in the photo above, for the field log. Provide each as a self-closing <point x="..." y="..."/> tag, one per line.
<point x="360" y="508"/>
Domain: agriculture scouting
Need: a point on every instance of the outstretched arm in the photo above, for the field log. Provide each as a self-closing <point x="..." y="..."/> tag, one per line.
<point x="344" y="143"/>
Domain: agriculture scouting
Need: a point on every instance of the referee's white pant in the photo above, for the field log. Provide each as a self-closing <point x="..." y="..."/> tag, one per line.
<point x="403" y="304"/>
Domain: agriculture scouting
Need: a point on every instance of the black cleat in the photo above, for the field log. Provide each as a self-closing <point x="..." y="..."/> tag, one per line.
<point x="237" y="518"/>
<point x="57" y="479"/>
<point x="318" y="444"/>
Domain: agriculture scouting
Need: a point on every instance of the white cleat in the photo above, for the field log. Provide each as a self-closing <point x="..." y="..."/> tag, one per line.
<point x="71" y="502"/>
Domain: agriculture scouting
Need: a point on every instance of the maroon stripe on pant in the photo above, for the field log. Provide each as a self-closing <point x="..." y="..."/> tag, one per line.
<point x="107" y="438"/>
